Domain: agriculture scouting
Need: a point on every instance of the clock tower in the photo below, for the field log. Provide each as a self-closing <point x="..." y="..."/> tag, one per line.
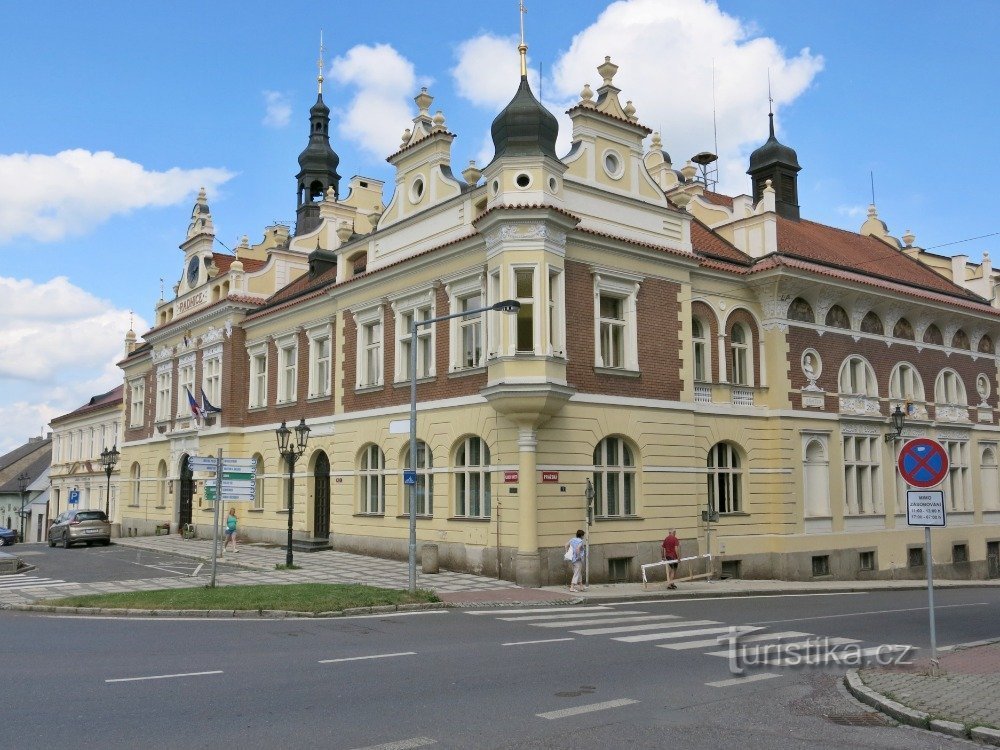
<point x="198" y="245"/>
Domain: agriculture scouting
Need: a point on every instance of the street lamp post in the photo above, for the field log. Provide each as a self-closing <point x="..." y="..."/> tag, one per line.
<point x="22" y="484"/>
<point x="291" y="453"/>
<point x="589" y="494"/>
<point x="897" y="425"/>
<point x="507" y="306"/>
<point x="109" y="459"/>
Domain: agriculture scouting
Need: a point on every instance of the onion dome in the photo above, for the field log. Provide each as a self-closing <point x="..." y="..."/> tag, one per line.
<point x="525" y="127"/>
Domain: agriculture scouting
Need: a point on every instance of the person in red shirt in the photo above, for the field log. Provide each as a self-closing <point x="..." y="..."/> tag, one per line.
<point x="672" y="554"/>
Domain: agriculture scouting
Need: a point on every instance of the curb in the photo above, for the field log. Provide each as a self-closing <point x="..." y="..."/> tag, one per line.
<point x="217" y="614"/>
<point x="914" y="718"/>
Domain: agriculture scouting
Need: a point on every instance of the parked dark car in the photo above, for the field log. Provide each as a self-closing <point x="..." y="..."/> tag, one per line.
<point x="7" y="537"/>
<point x="74" y="526"/>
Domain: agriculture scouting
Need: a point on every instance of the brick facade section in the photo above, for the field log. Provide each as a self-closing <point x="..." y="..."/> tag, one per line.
<point x="144" y="431"/>
<point x="658" y="322"/>
<point x="835" y="347"/>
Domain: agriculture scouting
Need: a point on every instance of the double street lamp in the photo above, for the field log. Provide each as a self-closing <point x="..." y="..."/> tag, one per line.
<point x="109" y="459"/>
<point x="22" y="484"/>
<point x="291" y="452"/>
<point x="507" y="306"/>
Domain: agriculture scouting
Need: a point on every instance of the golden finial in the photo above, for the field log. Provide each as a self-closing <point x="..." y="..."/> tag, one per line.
<point x="522" y="48"/>
<point x="319" y="63"/>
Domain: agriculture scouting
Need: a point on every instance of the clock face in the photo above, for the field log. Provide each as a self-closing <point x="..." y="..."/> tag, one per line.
<point x="193" y="271"/>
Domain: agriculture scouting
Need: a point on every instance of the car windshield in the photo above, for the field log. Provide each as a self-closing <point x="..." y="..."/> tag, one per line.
<point x="91" y="515"/>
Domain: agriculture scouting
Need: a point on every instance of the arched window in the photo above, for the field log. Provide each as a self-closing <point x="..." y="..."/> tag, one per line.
<point x="472" y="479"/>
<point x="372" y="475"/>
<point x="161" y="484"/>
<point x="905" y="383"/>
<point x="985" y="345"/>
<point x="701" y="350"/>
<point x="872" y="323"/>
<point x="857" y="378"/>
<point x="258" y="493"/>
<point x="903" y="329"/>
<point x="801" y="310"/>
<point x="614" y="478"/>
<point x="742" y="359"/>
<point x="135" y="477"/>
<point x="725" y="490"/>
<point x="949" y="389"/>
<point x="816" y="476"/>
<point x="989" y="479"/>
<point x="933" y="335"/>
<point x="960" y="340"/>
<point x="424" y="488"/>
<point x="837" y="318"/>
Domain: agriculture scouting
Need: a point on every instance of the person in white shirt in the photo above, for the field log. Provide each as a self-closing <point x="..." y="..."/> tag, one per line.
<point x="575" y="553"/>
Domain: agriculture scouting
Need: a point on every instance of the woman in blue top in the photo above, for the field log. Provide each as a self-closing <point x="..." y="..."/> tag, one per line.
<point x="575" y="553"/>
<point x="231" y="531"/>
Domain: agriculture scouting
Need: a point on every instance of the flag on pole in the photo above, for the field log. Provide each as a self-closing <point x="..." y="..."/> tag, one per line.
<point x="193" y="403"/>
<point x="206" y="406"/>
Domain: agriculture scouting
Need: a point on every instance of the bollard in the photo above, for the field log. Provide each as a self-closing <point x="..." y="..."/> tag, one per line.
<point x="429" y="558"/>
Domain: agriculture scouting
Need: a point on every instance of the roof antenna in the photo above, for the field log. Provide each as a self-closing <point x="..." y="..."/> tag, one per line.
<point x="872" y="175"/>
<point x="319" y="64"/>
<point x="770" y="103"/>
<point x="522" y="48"/>
<point x="539" y="81"/>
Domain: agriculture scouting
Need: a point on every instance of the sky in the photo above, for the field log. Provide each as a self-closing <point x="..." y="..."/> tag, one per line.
<point x="115" y="113"/>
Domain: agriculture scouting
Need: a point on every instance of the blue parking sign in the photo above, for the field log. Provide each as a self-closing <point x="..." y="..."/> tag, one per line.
<point x="74" y="497"/>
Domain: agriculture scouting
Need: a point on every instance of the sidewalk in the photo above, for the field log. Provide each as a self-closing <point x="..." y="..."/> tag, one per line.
<point x="961" y="698"/>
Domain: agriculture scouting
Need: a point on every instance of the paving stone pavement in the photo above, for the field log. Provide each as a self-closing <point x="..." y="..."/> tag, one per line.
<point x="965" y="690"/>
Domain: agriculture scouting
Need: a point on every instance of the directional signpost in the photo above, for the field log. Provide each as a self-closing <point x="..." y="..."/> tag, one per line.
<point x="235" y="481"/>
<point x="923" y="463"/>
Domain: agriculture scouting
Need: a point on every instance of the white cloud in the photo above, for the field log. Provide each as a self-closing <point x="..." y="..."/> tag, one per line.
<point x="665" y="52"/>
<point x="278" y="110"/>
<point x="852" y="212"/>
<point x="382" y="107"/>
<point x="51" y="197"/>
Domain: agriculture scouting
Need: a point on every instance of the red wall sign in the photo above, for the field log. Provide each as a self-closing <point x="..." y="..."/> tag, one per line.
<point x="510" y="477"/>
<point x="550" y="476"/>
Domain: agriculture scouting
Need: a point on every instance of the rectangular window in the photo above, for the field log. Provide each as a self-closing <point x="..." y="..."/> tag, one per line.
<point x="137" y="405"/>
<point x="212" y="379"/>
<point x="915" y="557"/>
<point x="524" y="291"/>
<point x="618" y="569"/>
<point x="862" y="483"/>
<point x="957" y="488"/>
<point x="164" y="393"/>
<point x="960" y="553"/>
<point x="821" y="565"/>
<point x="494" y="342"/>
<point x="470" y="332"/>
<point x="425" y="343"/>
<point x="866" y="560"/>
<point x="557" y="324"/>
<point x="258" y="379"/>
<point x="612" y="322"/>
<point x="319" y="366"/>
<point x="185" y="383"/>
<point x="288" y="368"/>
<point x="371" y="354"/>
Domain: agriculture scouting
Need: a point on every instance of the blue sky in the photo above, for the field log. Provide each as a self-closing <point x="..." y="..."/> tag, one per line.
<point x="116" y="112"/>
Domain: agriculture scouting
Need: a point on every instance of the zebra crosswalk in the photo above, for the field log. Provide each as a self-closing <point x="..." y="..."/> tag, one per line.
<point x="746" y="643"/>
<point x="20" y="581"/>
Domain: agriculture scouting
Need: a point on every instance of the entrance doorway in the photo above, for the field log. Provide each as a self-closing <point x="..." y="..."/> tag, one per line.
<point x="187" y="493"/>
<point x="321" y="495"/>
<point x="993" y="559"/>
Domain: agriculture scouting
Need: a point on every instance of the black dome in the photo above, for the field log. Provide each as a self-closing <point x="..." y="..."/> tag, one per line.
<point x="525" y="127"/>
<point x="773" y="152"/>
<point x="318" y="155"/>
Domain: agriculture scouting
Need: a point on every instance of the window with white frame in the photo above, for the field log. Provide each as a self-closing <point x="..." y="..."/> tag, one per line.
<point x="369" y="357"/>
<point x="905" y="383"/>
<point x="725" y="479"/>
<point x="614" y="479"/>
<point x="949" y="389"/>
<point x="493" y="340"/>
<point x="137" y="402"/>
<point x="319" y="362"/>
<point x="857" y="378"/>
<point x="557" y="320"/>
<point x="211" y="377"/>
<point x="408" y="311"/>
<point x="258" y="495"/>
<point x="958" y="488"/>
<point x="862" y="470"/>
<point x="701" y="351"/>
<point x="288" y="368"/>
<point x="741" y="355"/>
<point x="258" y="376"/>
<point x="135" y="477"/>
<point x="472" y="479"/>
<point x="524" y="323"/>
<point x="372" y="480"/>
<point x="185" y="385"/>
<point x="164" y="393"/>
<point x="615" y="344"/>
<point x="424" y="488"/>
<point x="468" y="349"/>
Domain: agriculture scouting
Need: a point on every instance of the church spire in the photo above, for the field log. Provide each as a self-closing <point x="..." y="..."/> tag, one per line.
<point x="779" y="164"/>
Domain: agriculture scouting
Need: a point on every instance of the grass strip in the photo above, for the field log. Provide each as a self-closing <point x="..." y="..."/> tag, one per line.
<point x="295" y="597"/>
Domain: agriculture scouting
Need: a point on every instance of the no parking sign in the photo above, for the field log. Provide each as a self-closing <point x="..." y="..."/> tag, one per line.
<point x="923" y="463"/>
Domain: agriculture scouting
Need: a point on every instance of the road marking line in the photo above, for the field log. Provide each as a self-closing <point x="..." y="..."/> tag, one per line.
<point x="672" y="600"/>
<point x="563" y="713"/>
<point x="402" y="744"/>
<point x="970" y="644"/>
<point x="529" y="643"/>
<point x="743" y="639"/>
<point x="197" y="570"/>
<point x="373" y="656"/>
<point x="647" y="626"/>
<point x="742" y="680"/>
<point x="872" y="612"/>
<point x="777" y="649"/>
<point x="535" y="610"/>
<point x="682" y="634"/>
<point x="165" y="676"/>
<point x="393" y="614"/>
<point x="605" y="613"/>
<point x="578" y="623"/>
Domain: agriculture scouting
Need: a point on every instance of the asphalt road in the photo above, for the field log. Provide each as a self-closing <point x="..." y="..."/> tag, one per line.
<point x="455" y="679"/>
<point x="82" y="564"/>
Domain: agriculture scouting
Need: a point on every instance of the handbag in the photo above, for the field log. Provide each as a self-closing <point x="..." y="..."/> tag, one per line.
<point x="568" y="557"/>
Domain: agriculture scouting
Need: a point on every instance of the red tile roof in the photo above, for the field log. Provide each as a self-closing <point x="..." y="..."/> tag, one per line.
<point x="718" y="198"/>
<point x="100" y="401"/>
<point x="223" y="262"/>
<point x="706" y="242"/>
